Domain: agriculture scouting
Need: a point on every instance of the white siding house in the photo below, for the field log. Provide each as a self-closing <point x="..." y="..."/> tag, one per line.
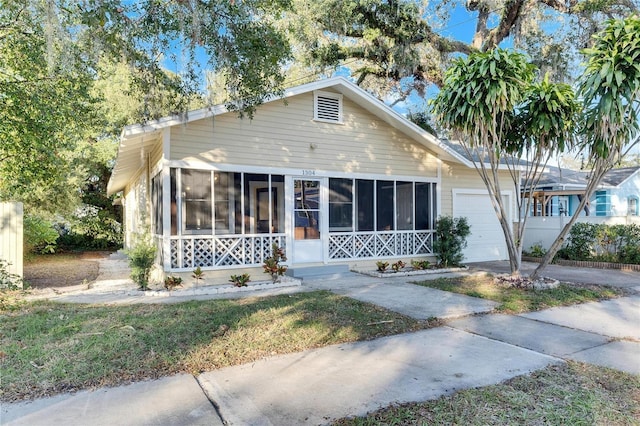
<point x="615" y="202"/>
<point x="327" y="171"/>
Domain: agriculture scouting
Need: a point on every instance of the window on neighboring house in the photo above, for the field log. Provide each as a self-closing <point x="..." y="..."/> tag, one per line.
<point x="602" y="203"/>
<point x="632" y="206"/>
<point x="327" y="107"/>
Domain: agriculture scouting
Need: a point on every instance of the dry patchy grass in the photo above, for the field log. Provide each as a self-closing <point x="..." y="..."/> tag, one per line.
<point x="48" y="348"/>
<point x="517" y="300"/>
<point x="566" y="394"/>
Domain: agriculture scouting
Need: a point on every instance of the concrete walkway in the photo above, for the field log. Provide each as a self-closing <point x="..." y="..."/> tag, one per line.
<point x="317" y="386"/>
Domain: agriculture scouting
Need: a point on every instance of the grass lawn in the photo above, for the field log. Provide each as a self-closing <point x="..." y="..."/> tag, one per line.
<point x="514" y="300"/>
<point x="569" y="394"/>
<point x="48" y="348"/>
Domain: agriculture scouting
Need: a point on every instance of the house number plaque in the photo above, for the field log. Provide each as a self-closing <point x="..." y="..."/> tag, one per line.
<point x="308" y="173"/>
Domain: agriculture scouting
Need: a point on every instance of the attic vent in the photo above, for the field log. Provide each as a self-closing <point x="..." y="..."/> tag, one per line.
<point x="328" y="107"/>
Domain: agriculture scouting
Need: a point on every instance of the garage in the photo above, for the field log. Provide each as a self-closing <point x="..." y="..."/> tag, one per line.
<point x="486" y="241"/>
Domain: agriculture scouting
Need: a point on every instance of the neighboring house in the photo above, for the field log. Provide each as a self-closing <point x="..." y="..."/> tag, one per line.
<point x="615" y="201"/>
<point x="327" y="171"/>
<point x="560" y="191"/>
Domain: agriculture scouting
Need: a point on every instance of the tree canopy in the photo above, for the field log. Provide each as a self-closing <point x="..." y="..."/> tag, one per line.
<point x="397" y="47"/>
<point x="53" y="54"/>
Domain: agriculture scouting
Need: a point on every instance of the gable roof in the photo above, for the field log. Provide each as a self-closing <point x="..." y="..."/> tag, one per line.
<point x="575" y="178"/>
<point x="138" y="139"/>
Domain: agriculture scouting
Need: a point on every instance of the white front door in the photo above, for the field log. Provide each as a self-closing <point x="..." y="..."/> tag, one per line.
<point x="307" y="221"/>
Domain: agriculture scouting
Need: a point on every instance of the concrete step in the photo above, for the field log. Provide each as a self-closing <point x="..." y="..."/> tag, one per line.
<point x="311" y="272"/>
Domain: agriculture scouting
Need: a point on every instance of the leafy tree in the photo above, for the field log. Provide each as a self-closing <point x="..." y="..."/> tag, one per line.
<point x="610" y="89"/>
<point x="504" y="118"/>
<point x="236" y="38"/>
<point x="398" y="47"/>
<point x="43" y="111"/>
<point x="51" y="53"/>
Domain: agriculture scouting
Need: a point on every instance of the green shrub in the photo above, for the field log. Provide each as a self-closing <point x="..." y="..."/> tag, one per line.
<point x="536" y="250"/>
<point x="272" y="265"/>
<point x="8" y="281"/>
<point x="450" y="239"/>
<point x="92" y="229"/>
<point x="172" y="282"/>
<point x="39" y="235"/>
<point x="420" y="264"/>
<point x="240" y="280"/>
<point x="142" y="256"/>
<point x="581" y="242"/>
<point x="382" y="266"/>
<point x="599" y="242"/>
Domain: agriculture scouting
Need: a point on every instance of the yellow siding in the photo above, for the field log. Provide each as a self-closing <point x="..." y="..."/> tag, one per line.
<point x="281" y="135"/>
<point x="457" y="176"/>
<point x="156" y="154"/>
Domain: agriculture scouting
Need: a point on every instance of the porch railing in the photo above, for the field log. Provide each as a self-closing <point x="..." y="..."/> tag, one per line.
<point x="232" y="251"/>
<point x="366" y="245"/>
<point x="222" y="251"/>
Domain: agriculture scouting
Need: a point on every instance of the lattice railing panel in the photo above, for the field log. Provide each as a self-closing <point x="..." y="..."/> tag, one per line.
<point x="385" y="245"/>
<point x="341" y="246"/>
<point x="203" y="252"/>
<point x="187" y="253"/>
<point x="423" y="243"/>
<point x="175" y="254"/>
<point x="366" y="245"/>
<point x="241" y="250"/>
<point x="229" y="251"/>
<point x="404" y="244"/>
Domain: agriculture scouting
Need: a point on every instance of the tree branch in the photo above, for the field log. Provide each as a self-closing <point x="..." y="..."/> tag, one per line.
<point x="510" y="15"/>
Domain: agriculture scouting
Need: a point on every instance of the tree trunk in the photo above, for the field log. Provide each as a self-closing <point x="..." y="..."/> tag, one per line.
<point x="597" y="174"/>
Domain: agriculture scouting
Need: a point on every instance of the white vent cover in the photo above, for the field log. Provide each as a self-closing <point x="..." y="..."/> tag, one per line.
<point x="328" y="107"/>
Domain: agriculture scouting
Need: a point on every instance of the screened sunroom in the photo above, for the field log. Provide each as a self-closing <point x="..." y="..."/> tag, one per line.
<point x="230" y="219"/>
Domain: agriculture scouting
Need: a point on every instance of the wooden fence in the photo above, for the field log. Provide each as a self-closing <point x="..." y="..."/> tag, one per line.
<point x="11" y="236"/>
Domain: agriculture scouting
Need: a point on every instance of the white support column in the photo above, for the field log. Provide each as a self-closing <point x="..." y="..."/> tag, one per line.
<point x="166" y="201"/>
<point x="439" y="190"/>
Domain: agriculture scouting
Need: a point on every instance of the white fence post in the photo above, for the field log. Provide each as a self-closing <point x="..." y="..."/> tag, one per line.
<point x="11" y="236"/>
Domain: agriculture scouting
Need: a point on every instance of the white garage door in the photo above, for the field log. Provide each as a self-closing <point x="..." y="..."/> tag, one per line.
<point x="486" y="241"/>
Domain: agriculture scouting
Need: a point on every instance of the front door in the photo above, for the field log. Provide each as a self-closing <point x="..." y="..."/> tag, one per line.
<point x="307" y="217"/>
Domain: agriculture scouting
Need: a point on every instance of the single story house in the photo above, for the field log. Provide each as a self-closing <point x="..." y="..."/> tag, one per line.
<point x="326" y="171"/>
<point x="560" y="191"/>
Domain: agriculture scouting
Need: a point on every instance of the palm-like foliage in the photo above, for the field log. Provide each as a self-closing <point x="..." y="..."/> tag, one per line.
<point x="506" y="121"/>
